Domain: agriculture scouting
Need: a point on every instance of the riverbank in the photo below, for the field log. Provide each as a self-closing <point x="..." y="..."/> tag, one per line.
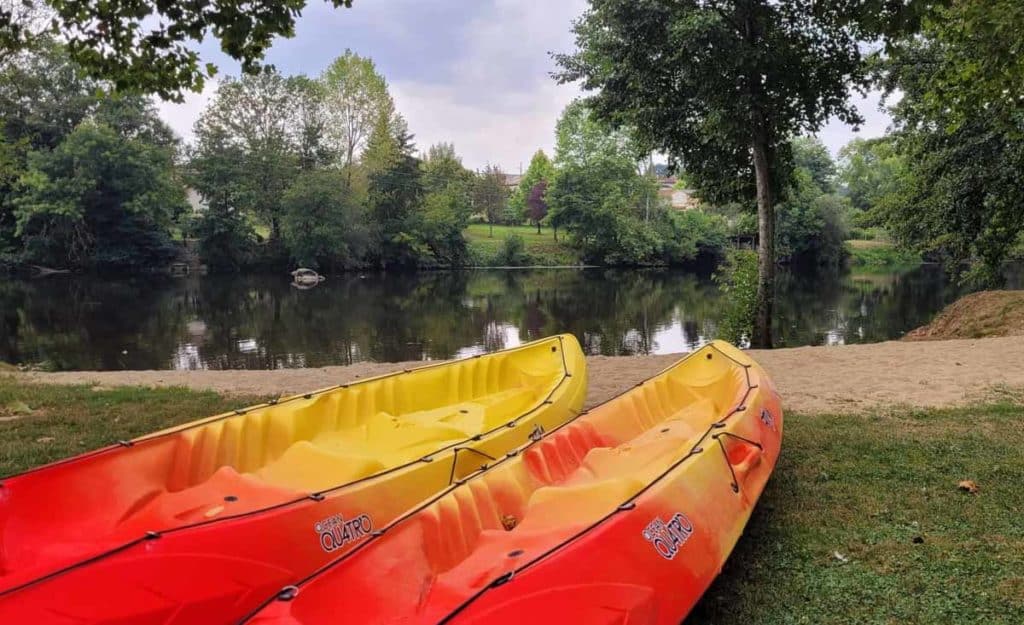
<point x="811" y="379"/>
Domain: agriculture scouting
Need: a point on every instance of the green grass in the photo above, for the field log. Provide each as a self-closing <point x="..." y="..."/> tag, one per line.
<point x="878" y="255"/>
<point x="542" y="248"/>
<point x="40" y="423"/>
<point x="880" y="490"/>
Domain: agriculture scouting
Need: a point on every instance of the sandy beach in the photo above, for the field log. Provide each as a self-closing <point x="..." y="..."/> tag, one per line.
<point x="811" y="379"/>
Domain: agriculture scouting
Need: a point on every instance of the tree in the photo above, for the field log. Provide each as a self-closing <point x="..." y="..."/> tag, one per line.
<point x="536" y="204"/>
<point x="442" y="169"/>
<point x="721" y="86"/>
<point x="355" y="97"/>
<point x="149" y="45"/>
<point x="869" y="170"/>
<point x="489" y="195"/>
<point x="958" y="133"/>
<point x="256" y="114"/>
<point x="102" y="199"/>
<point x="540" y="169"/>
<point x="970" y="53"/>
<point x="311" y="120"/>
<point x="22" y="24"/>
<point x="322" y="225"/>
<point x="811" y="155"/>
<point x="395" y="192"/>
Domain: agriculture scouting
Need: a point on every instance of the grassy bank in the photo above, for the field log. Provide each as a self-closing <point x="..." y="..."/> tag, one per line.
<point x="879" y="256"/>
<point x="863" y="521"/>
<point x="541" y="249"/>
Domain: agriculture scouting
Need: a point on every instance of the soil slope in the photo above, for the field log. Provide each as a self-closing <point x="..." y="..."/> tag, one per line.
<point x="978" y="315"/>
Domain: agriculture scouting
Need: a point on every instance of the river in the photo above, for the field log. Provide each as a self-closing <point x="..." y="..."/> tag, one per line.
<point x="261" y="322"/>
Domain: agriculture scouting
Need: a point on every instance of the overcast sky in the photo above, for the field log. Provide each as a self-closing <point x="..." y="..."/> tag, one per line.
<point x="471" y="72"/>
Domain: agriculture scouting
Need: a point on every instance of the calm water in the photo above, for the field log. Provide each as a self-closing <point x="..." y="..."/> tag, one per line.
<point x="259" y="322"/>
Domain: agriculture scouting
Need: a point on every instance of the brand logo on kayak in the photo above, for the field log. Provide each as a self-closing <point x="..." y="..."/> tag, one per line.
<point x="335" y="532"/>
<point x="669" y="537"/>
<point x="767" y="419"/>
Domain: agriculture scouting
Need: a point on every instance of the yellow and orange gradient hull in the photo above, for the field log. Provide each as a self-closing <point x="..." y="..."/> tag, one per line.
<point x="623" y="516"/>
<point x="197" y="524"/>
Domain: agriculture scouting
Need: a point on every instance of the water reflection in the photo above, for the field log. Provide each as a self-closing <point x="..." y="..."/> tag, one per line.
<point x="260" y="322"/>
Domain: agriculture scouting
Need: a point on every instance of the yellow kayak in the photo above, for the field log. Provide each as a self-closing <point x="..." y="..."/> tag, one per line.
<point x="281" y="487"/>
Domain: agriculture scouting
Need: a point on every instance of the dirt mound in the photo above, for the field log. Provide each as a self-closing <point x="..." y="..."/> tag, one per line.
<point x="975" y="316"/>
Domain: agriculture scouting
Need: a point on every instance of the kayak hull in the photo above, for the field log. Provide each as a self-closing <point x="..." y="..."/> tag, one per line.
<point x="210" y="551"/>
<point x="623" y="516"/>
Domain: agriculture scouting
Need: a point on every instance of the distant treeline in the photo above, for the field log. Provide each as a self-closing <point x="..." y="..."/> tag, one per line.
<point x="323" y="172"/>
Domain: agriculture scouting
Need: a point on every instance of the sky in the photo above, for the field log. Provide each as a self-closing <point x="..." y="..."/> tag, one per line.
<point x="475" y="73"/>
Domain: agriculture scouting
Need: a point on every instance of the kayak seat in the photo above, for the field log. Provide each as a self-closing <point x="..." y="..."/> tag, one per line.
<point x="226" y="492"/>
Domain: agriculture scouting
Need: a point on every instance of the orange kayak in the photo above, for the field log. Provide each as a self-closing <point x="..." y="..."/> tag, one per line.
<point x="622" y="516"/>
<point x="196" y="525"/>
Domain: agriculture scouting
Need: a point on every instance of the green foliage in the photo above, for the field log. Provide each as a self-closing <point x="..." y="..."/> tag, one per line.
<point x="811" y="156"/>
<point x="355" y="100"/>
<point x="737" y="280"/>
<point x="692" y="78"/>
<point x="149" y="46"/>
<point x="512" y="252"/>
<point x="869" y="171"/>
<point x="541" y="170"/>
<point x="811" y="223"/>
<point x="969" y="66"/>
<point x="489" y="195"/>
<point x="395" y="194"/>
<point x="104" y="198"/>
<point x="227" y="241"/>
<point x="610" y="211"/>
<point x="323" y="227"/>
<point x="252" y="119"/>
<point x="874" y="256"/>
<point x="959" y="196"/>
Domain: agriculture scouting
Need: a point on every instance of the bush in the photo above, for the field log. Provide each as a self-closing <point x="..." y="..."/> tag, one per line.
<point x="512" y="252"/>
<point x="737" y="280"/>
<point x="322" y="225"/>
<point x="226" y="239"/>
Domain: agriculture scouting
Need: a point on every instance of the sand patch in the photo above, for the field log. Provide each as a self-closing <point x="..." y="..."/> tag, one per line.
<point x="851" y="378"/>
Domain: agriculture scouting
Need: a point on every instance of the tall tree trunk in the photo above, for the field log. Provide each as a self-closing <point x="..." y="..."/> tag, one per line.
<point x="538" y="227"/>
<point x="766" y="245"/>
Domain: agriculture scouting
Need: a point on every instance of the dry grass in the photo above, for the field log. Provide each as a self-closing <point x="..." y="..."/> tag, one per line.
<point x="974" y="316"/>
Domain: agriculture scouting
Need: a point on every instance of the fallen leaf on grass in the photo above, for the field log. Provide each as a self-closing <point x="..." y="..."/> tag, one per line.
<point x="45" y="439"/>
<point x="968" y="486"/>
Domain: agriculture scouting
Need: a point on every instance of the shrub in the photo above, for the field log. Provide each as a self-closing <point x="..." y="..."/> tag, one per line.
<point x="737" y="280"/>
<point x="512" y="252"/>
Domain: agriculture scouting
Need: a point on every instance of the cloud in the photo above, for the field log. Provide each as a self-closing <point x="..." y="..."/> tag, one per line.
<point x="500" y="103"/>
<point x="476" y="74"/>
<point x="181" y="116"/>
<point x="836" y="134"/>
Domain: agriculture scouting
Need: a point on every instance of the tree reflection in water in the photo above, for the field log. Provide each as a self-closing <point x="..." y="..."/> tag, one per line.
<point x="260" y="322"/>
